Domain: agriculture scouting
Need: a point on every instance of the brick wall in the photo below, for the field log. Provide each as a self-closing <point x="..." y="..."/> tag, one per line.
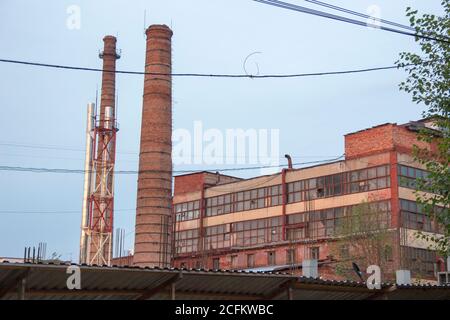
<point x="382" y="138"/>
<point x="189" y="183"/>
<point x="194" y="182"/>
<point x="369" y="141"/>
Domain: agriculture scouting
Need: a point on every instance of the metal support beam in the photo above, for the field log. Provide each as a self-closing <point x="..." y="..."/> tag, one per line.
<point x="135" y="294"/>
<point x="287" y="285"/>
<point x="382" y="294"/>
<point x="172" y="291"/>
<point x="13" y="282"/>
<point x="290" y="294"/>
<point x="152" y="291"/>
<point x="21" y="288"/>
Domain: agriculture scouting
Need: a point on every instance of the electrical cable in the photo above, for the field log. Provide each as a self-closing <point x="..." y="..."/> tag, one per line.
<point x="79" y="171"/>
<point x="54" y="147"/>
<point x="297" y="75"/>
<point x="319" y="13"/>
<point x="358" y="14"/>
<point x="52" y="212"/>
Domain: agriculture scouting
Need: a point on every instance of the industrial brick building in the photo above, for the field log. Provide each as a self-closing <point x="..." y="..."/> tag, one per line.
<point x="278" y="222"/>
<point x="275" y="222"/>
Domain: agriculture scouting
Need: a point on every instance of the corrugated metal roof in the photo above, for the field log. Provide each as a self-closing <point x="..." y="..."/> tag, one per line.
<point x="48" y="281"/>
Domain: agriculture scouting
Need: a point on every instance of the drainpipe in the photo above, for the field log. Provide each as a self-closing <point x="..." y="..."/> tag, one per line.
<point x="284" y="193"/>
<point x="201" y="242"/>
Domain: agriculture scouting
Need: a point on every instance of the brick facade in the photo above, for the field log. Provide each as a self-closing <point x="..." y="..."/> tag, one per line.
<point x="373" y="153"/>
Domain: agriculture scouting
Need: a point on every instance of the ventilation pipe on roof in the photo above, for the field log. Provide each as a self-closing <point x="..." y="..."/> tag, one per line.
<point x="289" y="159"/>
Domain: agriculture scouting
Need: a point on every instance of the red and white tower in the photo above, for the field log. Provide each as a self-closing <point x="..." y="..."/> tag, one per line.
<point x="98" y="208"/>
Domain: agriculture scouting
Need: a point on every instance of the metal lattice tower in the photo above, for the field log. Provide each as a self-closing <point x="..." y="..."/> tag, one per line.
<point x="98" y="209"/>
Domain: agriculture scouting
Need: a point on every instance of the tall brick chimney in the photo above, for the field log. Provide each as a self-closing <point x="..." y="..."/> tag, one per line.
<point x="154" y="195"/>
<point x="109" y="57"/>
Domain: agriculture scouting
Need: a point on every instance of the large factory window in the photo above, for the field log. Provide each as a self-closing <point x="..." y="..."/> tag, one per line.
<point x="186" y="241"/>
<point x="408" y="176"/>
<point x="296" y="226"/>
<point x="217" y="237"/>
<point x="414" y="217"/>
<point x="187" y="210"/>
<point x="219" y="205"/>
<point x="276" y="194"/>
<point x="254" y="232"/>
<point x="294" y="191"/>
<point x="419" y="261"/>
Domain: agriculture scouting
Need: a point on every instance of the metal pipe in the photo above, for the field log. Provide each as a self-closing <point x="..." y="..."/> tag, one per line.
<point x="288" y="157"/>
<point x="87" y="182"/>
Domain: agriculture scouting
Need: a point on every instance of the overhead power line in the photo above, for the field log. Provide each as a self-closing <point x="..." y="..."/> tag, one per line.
<point x="319" y="13"/>
<point x="79" y="171"/>
<point x="204" y="75"/>
<point x="68" y="148"/>
<point x="358" y="14"/>
<point x="51" y="147"/>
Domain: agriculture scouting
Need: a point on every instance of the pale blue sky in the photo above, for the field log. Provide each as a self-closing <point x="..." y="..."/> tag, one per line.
<point x="46" y="107"/>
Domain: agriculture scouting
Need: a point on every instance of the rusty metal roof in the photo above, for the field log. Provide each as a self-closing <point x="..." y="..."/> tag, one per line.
<point x="48" y="281"/>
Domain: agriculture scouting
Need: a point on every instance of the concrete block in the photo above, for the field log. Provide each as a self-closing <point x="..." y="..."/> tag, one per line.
<point x="403" y="277"/>
<point x="310" y="268"/>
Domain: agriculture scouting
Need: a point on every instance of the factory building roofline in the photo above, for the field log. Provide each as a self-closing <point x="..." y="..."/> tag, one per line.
<point x="207" y="172"/>
<point x="48" y="281"/>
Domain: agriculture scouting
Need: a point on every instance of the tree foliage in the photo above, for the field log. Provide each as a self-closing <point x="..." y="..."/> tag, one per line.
<point x="428" y="82"/>
<point x="364" y="238"/>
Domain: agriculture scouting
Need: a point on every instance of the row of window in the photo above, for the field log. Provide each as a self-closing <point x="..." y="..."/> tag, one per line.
<point x="311" y="225"/>
<point x="339" y="184"/>
<point x="419" y="261"/>
<point x="244" y="200"/>
<point x="329" y="222"/>
<point x="249" y="262"/>
<point x="332" y="185"/>
<point x="291" y="257"/>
